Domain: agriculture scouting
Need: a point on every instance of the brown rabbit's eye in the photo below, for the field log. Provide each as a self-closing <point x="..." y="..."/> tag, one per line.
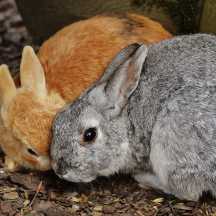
<point x="30" y="151"/>
<point x="90" y="135"/>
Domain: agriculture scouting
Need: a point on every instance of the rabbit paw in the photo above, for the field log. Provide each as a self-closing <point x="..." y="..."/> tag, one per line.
<point x="10" y="165"/>
<point x="147" y="181"/>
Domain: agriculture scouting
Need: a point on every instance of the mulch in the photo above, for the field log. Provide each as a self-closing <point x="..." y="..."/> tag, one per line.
<point x="44" y="194"/>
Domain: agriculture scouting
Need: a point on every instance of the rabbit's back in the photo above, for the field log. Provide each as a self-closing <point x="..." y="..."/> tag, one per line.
<point x="190" y="57"/>
<point x="184" y="68"/>
<point x="178" y="88"/>
<point x="77" y="55"/>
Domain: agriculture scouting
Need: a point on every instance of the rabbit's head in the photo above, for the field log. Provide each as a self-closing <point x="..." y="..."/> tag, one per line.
<point x="26" y="114"/>
<point x="90" y="136"/>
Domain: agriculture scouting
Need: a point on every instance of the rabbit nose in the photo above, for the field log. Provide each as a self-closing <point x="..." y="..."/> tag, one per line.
<point x="60" y="167"/>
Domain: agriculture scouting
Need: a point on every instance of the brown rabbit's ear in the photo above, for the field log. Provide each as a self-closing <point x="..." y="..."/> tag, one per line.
<point x="31" y="73"/>
<point x="7" y="86"/>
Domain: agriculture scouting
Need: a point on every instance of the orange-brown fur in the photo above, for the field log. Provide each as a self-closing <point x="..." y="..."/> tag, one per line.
<point x="77" y="55"/>
<point x="72" y="59"/>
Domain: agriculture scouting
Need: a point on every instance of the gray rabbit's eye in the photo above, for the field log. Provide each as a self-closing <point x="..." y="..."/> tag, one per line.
<point x="90" y="135"/>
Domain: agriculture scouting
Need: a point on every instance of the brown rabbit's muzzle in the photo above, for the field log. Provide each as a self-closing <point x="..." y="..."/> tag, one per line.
<point x="38" y="162"/>
<point x="29" y="139"/>
<point x="26" y="114"/>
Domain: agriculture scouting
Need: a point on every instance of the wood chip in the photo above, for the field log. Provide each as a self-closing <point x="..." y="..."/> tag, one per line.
<point x="98" y="208"/>
<point x="158" y="200"/>
<point x="182" y="206"/>
<point x="10" y="196"/>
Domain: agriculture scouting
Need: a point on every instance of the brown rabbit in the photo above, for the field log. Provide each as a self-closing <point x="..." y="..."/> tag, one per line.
<point x="71" y="60"/>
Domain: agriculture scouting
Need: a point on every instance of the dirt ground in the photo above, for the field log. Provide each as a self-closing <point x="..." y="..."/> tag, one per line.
<point x="44" y="194"/>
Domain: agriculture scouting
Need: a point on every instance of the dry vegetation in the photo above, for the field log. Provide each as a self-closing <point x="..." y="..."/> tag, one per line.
<point x="43" y="194"/>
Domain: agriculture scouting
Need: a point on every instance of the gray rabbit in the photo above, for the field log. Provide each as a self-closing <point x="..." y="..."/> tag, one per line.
<point x="152" y="114"/>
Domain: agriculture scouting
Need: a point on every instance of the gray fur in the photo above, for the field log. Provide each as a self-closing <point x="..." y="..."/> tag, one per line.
<point x="163" y="128"/>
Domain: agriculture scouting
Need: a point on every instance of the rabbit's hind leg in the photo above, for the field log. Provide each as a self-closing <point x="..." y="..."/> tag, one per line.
<point x="183" y="151"/>
<point x="148" y="180"/>
<point x="188" y="185"/>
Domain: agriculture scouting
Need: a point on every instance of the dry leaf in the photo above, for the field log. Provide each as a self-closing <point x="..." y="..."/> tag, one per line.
<point x="25" y="203"/>
<point x="82" y="199"/>
<point x="96" y="213"/>
<point x="158" y="200"/>
<point x="10" y="196"/>
<point x="6" y="189"/>
<point x="98" y="208"/>
<point x="182" y="206"/>
<point x="74" y="209"/>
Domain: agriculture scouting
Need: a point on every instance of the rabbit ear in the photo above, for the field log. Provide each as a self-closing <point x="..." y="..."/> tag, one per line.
<point x="125" y="76"/>
<point x="119" y="59"/>
<point x="7" y="85"/>
<point x="31" y="73"/>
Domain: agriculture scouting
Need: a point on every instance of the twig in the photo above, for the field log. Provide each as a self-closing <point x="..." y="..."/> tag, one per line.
<point x="36" y="193"/>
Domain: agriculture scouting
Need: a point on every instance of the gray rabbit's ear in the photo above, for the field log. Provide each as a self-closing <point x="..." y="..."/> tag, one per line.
<point x="124" y="77"/>
<point x="118" y="60"/>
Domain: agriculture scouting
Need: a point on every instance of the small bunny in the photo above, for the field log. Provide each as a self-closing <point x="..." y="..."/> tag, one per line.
<point x="152" y="114"/>
<point x="26" y="115"/>
<point x="68" y="63"/>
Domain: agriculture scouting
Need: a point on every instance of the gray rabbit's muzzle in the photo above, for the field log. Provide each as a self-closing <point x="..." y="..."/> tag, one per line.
<point x="72" y="174"/>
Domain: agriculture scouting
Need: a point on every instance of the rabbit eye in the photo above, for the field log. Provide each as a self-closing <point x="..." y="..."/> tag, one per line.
<point x="90" y="135"/>
<point x="30" y="151"/>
